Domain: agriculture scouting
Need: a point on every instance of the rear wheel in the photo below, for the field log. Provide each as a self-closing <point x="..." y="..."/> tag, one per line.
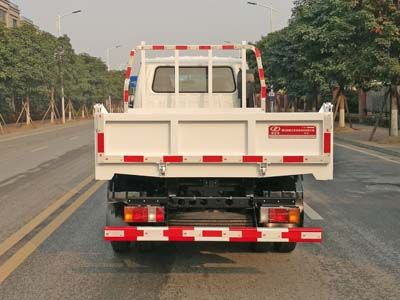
<point x="261" y="247"/>
<point x="145" y="247"/>
<point x="120" y="247"/>
<point x="114" y="218"/>
<point x="284" y="247"/>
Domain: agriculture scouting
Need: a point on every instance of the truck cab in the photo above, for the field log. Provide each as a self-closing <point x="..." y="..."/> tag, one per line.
<point x="194" y="157"/>
<point x="156" y="84"/>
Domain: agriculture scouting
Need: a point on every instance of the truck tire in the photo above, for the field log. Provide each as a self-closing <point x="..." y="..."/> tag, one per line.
<point x="113" y="220"/>
<point x="261" y="247"/>
<point x="284" y="247"/>
<point x="120" y="247"/>
<point x="145" y="247"/>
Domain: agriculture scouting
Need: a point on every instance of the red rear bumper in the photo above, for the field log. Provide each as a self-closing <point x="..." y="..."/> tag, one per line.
<point x="213" y="234"/>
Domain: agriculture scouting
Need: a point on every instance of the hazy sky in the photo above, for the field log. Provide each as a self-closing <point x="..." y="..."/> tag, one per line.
<point x="105" y="23"/>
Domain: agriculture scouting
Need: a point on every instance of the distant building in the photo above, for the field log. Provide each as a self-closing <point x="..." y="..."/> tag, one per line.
<point x="10" y="15"/>
<point x="26" y="21"/>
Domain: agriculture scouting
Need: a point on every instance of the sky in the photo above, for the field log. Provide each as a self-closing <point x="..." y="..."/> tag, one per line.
<point x="104" y="24"/>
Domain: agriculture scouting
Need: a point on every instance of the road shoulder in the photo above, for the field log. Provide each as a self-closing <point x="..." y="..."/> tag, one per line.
<point x="359" y="137"/>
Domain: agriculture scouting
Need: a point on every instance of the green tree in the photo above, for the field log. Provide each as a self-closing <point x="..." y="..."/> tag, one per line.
<point x="385" y="49"/>
<point x="335" y="44"/>
<point x="32" y="64"/>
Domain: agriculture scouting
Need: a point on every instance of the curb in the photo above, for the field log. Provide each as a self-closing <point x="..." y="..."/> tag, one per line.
<point x="370" y="147"/>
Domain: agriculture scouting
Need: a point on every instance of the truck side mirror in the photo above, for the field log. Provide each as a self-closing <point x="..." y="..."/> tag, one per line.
<point x="250" y="88"/>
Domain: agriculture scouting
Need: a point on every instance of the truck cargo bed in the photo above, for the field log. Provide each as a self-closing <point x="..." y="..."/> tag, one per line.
<point x="186" y="143"/>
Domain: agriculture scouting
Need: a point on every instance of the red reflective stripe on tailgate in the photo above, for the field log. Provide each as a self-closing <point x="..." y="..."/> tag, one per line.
<point x="100" y="142"/>
<point x="293" y="159"/>
<point x="327" y="142"/>
<point x="173" y="159"/>
<point x="253" y="159"/>
<point x="213" y="159"/>
<point x="133" y="159"/>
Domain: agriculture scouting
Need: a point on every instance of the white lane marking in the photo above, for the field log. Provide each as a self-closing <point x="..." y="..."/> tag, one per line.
<point x="39" y="149"/>
<point x="312" y="214"/>
<point x="73" y="138"/>
<point x="368" y="153"/>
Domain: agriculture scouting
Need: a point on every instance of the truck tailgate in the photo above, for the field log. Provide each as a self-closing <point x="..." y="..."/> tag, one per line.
<point x="213" y="143"/>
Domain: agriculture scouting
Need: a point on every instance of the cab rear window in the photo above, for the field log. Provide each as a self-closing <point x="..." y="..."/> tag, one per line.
<point x="194" y="80"/>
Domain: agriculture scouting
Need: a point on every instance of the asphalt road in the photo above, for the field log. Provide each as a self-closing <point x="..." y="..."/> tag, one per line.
<point x="37" y="168"/>
<point x="358" y="259"/>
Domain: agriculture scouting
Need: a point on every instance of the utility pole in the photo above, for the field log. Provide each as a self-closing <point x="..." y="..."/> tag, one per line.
<point x="362" y="104"/>
<point x="394" y="112"/>
<point x="59" y="19"/>
<point x="62" y="86"/>
<point x="108" y="60"/>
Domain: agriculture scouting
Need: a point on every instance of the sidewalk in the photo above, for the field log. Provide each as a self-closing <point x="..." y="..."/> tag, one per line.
<point x="359" y="135"/>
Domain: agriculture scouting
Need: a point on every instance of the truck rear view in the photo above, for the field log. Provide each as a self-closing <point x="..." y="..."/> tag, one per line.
<point x="195" y="157"/>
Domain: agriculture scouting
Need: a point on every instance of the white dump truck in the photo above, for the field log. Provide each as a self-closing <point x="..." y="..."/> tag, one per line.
<point x="195" y="157"/>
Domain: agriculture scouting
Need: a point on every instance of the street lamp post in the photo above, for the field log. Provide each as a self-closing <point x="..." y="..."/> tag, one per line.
<point x="59" y="19"/>
<point x="270" y="8"/>
<point x="109" y="69"/>
<point x="271" y="95"/>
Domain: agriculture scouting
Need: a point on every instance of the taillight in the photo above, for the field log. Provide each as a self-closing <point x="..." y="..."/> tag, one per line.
<point x="135" y="214"/>
<point x="148" y="214"/>
<point x="294" y="216"/>
<point x="160" y="214"/>
<point x="279" y="215"/>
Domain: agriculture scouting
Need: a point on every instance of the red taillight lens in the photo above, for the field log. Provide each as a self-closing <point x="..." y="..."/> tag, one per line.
<point x="278" y="215"/>
<point x="136" y="214"/>
<point x="160" y="214"/>
<point x="149" y="214"/>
